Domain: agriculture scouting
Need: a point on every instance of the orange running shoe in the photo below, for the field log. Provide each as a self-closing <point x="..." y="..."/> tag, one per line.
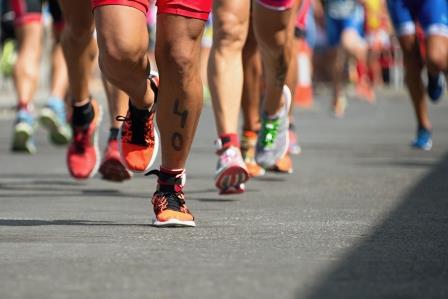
<point x="169" y="202"/>
<point x="248" y="143"/>
<point x="365" y="91"/>
<point x="283" y="165"/>
<point x="339" y="106"/>
<point x="111" y="168"/>
<point x="138" y="139"/>
<point x="83" y="155"/>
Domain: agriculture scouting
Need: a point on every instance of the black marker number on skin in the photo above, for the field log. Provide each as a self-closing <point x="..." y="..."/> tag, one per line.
<point x="177" y="140"/>
<point x="183" y="115"/>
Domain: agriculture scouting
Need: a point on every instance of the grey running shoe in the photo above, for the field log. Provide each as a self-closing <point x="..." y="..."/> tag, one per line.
<point x="53" y="118"/>
<point x="231" y="172"/>
<point x="22" y="140"/>
<point x="273" y="137"/>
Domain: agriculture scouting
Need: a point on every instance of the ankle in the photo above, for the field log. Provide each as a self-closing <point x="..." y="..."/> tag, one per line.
<point x="171" y="179"/>
<point x="139" y="111"/>
<point x="83" y="114"/>
<point x="23" y="105"/>
<point x="113" y="133"/>
<point x="226" y="141"/>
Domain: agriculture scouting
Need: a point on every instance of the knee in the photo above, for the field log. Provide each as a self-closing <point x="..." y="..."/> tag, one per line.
<point x="27" y="67"/>
<point x="78" y="34"/>
<point x="353" y="42"/>
<point x="437" y="58"/>
<point x="119" y="57"/>
<point x="179" y="61"/>
<point x="232" y="32"/>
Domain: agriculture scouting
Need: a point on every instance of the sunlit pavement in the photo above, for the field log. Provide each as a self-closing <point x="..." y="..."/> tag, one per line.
<point x="363" y="216"/>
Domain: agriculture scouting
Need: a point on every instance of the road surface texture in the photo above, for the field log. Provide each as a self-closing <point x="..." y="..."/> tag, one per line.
<point x="363" y="216"/>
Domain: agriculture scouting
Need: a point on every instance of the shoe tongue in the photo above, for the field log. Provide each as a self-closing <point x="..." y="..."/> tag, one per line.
<point x="171" y="183"/>
<point x="140" y="114"/>
<point x="169" y="188"/>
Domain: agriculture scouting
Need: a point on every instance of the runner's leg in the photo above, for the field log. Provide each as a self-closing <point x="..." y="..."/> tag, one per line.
<point x="274" y="36"/>
<point x="80" y="50"/>
<point x="230" y="26"/>
<point x="29" y="32"/>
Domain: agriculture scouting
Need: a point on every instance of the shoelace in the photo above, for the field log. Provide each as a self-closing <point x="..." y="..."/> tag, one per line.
<point x="174" y="201"/>
<point x="269" y="132"/>
<point x="137" y="131"/>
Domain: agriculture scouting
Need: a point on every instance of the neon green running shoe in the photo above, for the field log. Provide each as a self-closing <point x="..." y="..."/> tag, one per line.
<point x="8" y="58"/>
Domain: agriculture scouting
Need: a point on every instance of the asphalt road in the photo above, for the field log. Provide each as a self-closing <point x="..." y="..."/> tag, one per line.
<point x="363" y="216"/>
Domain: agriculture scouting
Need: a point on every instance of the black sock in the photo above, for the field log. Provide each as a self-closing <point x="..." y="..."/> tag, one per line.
<point x="113" y="134"/>
<point x="83" y="115"/>
<point x="170" y="180"/>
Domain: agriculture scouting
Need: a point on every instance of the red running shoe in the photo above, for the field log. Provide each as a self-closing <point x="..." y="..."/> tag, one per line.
<point x="111" y="168"/>
<point x="138" y="141"/>
<point x="169" y="202"/>
<point x="83" y="155"/>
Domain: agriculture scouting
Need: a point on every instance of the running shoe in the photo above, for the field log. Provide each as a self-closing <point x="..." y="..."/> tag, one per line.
<point x="273" y="138"/>
<point x="248" y="144"/>
<point x="112" y="169"/>
<point x="339" y="106"/>
<point x="22" y="140"/>
<point x="8" y="57"/>
<point x="83" y="156"/>
<point x="169" y="204"/>
<point x="231" y="172"/>
<point x="53" y="118"/>
<point x="283" y="165"/>
<point x="294" y="147"/>
<point x="138" y="138"/>
<point x="436" y="86"/>
<point x="423" y="140"/>
<point x="365" y="91"/>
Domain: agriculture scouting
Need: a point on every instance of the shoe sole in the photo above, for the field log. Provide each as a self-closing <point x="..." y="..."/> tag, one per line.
<point x="22" y="135"/>
<point x="151" y="161"/>
<point x="233" y="190"/>
<point x="113" y="170"/>
<point x="294" y="152"/>
<point x="261" y="173"/>
<point x="422" y="148"/>
<point x="96" y="141"/>
<point x="47" y="120"/>
<point x="173" y="223"/>
<point x="277" y="170"/>
<point x="231" y="177"/>
<point x="288" y="99"/>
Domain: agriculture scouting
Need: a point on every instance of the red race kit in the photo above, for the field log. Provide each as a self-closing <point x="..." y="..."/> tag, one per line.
<point x="277" y="4"/>
<point x="29" y="11"/>
<point x="302" y="14"/>
<point x="197" y="9"/>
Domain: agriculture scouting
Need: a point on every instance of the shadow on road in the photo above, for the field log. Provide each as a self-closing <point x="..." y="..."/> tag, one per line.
<point x="400" y="163"/>
<point x="35" y="222"/>
<point x="404" y="257"/>
<point x="57" y="189"/>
